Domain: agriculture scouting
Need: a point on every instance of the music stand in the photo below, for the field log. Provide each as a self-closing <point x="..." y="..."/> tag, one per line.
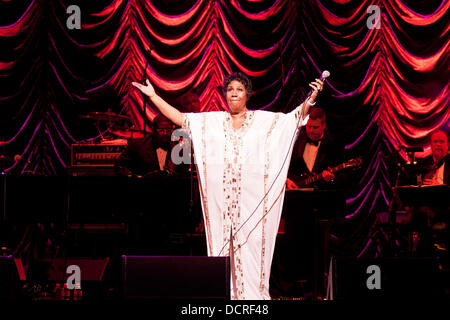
<point x="424" y="195"/>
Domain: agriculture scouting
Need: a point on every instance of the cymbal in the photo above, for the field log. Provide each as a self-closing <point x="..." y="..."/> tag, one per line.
<point x="115" y="142"/>
<point x="106" y="116"/>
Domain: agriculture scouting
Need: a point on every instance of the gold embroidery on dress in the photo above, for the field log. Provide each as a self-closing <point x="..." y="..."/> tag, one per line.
<point x="232" y="184"/>
<point x="185" y="122"/>
<point x="204" y="189"/>
<point x="265" y="211"/>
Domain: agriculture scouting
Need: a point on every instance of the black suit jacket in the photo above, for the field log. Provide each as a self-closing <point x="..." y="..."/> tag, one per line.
<point x="140" y="158"/>
<point x="330" y="154"/>
<point x="427" y="163"/>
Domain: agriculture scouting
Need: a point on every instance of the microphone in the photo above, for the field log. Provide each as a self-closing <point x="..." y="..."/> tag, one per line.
<point x="325" y="74"/>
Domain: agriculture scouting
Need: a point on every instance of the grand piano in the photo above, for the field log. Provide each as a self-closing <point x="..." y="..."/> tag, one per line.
<point x="94" y="199"/>
<point x="145" y="214"/>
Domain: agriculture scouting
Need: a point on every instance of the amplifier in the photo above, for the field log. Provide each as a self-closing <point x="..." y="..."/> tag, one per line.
<point x="96" y="155"/>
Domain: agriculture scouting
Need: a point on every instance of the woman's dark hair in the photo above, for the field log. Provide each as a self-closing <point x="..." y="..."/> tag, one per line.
<point x="242" y="78"/>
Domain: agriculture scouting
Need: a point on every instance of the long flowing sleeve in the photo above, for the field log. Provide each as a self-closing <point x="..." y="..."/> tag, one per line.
<point x="242" y="175"/>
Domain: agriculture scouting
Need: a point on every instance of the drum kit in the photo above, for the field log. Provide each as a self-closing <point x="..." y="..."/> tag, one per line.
<point x="118" y="125"/>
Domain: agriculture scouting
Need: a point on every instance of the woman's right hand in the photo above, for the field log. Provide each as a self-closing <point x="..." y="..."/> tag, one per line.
<point x="147" y="90"/>
<point x="166" y="109"/>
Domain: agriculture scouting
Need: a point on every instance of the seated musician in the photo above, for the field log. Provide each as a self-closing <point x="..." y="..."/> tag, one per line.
<point x="190" y="102"/>
<point x="436" y="167"/>
<point x="315" y="152"/>
<point x="433" y="221"/>
<point x="149" y="155"/>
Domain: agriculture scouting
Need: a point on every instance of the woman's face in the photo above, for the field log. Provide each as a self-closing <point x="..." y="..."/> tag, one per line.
<point x="236" y="96"/>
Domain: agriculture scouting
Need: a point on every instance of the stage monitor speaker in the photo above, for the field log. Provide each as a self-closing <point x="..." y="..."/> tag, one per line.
<point x="11" y="271"/>
<point x="386" y="278"/>
<point x="176" y="277"/>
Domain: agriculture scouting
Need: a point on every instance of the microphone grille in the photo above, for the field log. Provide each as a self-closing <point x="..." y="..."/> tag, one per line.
<point x="325" y="74"/>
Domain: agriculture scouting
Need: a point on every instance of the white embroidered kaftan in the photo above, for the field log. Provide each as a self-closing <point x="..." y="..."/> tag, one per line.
<point x="236" y="169"/>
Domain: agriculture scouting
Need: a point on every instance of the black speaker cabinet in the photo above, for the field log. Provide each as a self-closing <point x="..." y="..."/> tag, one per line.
<point x="11" y="271"/>
<point x="175" y="277"/>
<point x="386" y="278"/>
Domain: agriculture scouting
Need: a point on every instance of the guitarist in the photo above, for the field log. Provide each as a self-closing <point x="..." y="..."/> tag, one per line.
<point x="314" y="153"/>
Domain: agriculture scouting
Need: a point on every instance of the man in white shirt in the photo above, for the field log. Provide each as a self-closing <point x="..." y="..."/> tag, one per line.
<point x="436" y="165"/>
<point x="314" y="152"/>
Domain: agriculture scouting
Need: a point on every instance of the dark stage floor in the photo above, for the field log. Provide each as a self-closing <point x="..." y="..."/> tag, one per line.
<point x="95" y="222"/>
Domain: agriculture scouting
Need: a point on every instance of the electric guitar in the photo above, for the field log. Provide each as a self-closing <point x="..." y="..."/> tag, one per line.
<point x="311" y="179"/>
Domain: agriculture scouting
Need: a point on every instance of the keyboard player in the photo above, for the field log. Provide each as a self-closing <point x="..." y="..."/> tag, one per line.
<point x="433" y="219"/>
